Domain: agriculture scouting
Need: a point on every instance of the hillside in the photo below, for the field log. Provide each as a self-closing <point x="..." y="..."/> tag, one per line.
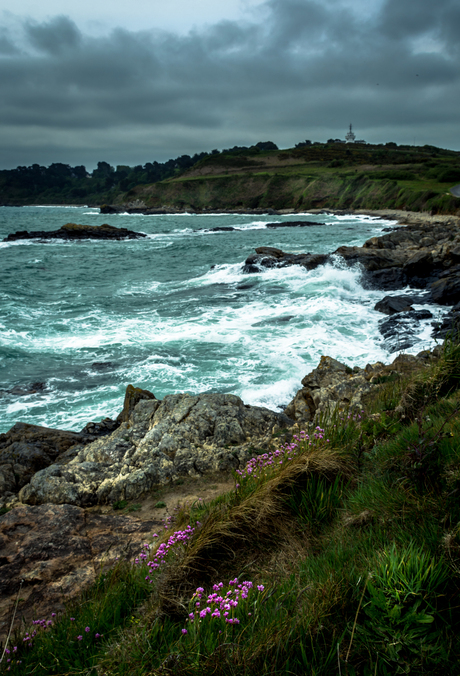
<point x="333" y="175"/>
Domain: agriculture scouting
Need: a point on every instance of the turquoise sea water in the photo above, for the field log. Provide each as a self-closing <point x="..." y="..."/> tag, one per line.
<point x="87" y="318"/>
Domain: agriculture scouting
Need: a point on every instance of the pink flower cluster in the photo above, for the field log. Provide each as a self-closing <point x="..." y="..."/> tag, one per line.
<point x="221" y="605"/>
<point x="159" y="556"/>
<point x="256" y="466"/>
<point x="10" y="655"/>
<point x="47" y="624"/>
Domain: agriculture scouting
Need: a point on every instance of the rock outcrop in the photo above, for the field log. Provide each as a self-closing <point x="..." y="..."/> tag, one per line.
<point x="57" y="550"/>
<point x="72" y="231"/>
<point x="161" y="440"/>
<point x="422" y="255"/>
<point x="334" y="386"/>
<point x="26" y="449"/>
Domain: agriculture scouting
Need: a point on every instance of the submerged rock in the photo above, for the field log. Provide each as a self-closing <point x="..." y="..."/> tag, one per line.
<point x="25" y="390"/>
<point x="71" y="231"/>
<point x="161" y="440"/>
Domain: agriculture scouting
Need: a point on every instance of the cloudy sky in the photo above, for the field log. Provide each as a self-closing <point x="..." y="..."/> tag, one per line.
<point x="133" y="82"/>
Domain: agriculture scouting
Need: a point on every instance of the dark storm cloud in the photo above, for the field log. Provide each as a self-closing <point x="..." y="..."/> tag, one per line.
<point x="305" y="66"/>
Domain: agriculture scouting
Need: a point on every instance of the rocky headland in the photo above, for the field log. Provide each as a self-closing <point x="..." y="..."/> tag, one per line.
<point x="74" y="231"/>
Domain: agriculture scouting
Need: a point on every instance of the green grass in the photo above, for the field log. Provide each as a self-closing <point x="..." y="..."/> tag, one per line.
<point x="355" y="539"/>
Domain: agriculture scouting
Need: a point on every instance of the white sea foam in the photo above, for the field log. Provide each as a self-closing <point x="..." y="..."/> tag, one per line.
<point x="168" y="329"/>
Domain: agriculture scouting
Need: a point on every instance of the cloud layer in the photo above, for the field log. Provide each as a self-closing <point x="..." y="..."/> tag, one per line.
<point x="300" y="69"/>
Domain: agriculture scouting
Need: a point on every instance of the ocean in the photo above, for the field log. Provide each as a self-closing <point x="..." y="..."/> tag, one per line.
<point x="174" y="312"/>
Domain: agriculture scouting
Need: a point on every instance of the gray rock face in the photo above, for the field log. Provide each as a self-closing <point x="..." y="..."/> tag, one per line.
<point x="162" y="440"/>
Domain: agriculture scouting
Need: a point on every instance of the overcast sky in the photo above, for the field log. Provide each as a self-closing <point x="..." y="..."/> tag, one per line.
<point x="130" y="83"/>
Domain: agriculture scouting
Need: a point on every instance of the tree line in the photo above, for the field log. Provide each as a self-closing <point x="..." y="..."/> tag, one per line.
<point x="62" y="183"/>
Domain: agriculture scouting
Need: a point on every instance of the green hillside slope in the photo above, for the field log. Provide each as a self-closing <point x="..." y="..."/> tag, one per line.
<point x="330" y="176"/>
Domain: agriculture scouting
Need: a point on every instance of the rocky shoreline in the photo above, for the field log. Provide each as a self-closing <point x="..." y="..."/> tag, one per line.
<point x="52" y="481"/>
<point x="154" y="442"/>
<point x="422" y="255"/>
<point x="58" y="488"/>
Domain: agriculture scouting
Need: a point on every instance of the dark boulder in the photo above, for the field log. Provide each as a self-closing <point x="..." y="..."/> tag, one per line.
<point x="420" y="264"/>
<point x="449" y="325"/>
<point x="399" y="329"/>
<point x="446" y="291"/>
<point x="390" y="305"/>
<point x="270" y="257"/>
<point x="387" y="279"/>
<point x="292" y="224"/>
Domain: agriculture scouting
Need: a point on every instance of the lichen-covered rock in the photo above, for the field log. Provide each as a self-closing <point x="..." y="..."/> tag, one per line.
<point x="333" y="385"/>
<point x="183" y="434"/>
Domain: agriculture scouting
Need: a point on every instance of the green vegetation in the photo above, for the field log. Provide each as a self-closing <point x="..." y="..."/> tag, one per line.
<point x="62" y="184"/>
<point x="337" y="553"/>
<point x="332" y="175"/>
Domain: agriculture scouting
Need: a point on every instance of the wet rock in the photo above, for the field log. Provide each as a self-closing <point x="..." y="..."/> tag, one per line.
<point x="387" y="279"/>
<point x="26" y="390"/>
<point x="181" y="435"/>
<point x="102" y="365"/>
<point x="292" y="224"/>
<point x="270" y="257"/>
<point x="446" y="291"/>
<point x="218" y="228"/>
<point x="392" y="304"/>
<point x="74" y="231"/>
<point x="58" y="550"/>
<point x="399" y="329"/>
<point x="450" y="324"/>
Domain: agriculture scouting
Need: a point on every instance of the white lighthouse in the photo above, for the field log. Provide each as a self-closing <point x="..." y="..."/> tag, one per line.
<point x="350" y="137"/>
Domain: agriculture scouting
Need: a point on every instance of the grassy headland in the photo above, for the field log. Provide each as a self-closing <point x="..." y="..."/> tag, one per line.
<point x="331" y="175"/>
<point x="335" y="176"/>
<point x="336" y="553"/>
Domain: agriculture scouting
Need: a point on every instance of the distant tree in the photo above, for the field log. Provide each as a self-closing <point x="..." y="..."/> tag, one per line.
<point x="103" y="169"/>
<point x="80" y="171"/>
<point x="266" y="145"/>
